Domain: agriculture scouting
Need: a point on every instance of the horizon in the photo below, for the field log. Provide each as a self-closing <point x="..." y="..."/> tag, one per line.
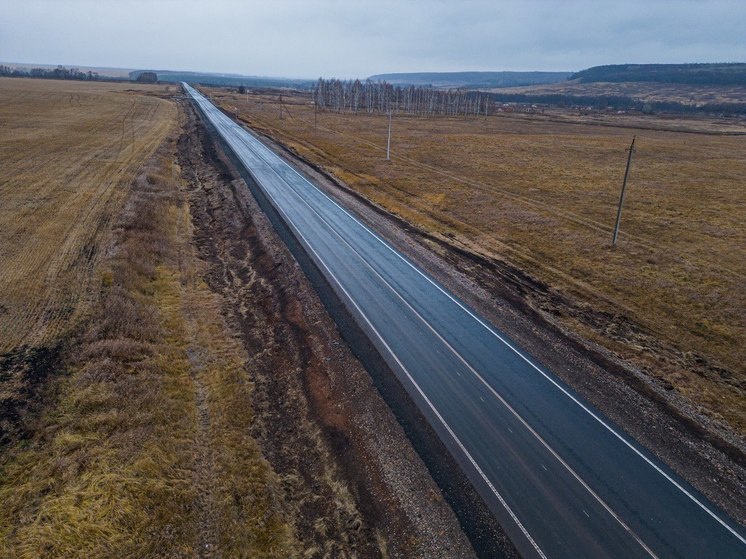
<point x="29" y="65"/>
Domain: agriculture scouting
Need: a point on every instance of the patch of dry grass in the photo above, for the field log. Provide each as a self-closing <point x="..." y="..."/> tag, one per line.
<point x="104" y="468"/>
<point x="542" y="194"/>
<point x="147" y="451"/>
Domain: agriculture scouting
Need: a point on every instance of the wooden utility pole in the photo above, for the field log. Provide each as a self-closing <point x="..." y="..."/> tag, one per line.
<point x="631" y="150"/>
<point x="388" y="142"/>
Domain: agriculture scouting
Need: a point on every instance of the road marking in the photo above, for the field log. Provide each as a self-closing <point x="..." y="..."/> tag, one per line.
<point x="411" y="379"/>
<point x="427" y="400"/>
<point x="489" y="387"/>
<point x="436" y="333"/>
<point x="465" y="309"/>
<point x="414" y="383"/>
<point x="448" y="345"/>
<point x="514" y="349"/>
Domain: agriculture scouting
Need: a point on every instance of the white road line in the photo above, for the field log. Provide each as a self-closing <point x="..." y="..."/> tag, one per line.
<point x="483" y="324"/>
<point x="515" y="350"/>
<point x="489" y="387"/>
<point x="448" y="428"/>
<point x="434" y="410"/>
<point x="459" y="356"/>
<point x="409" y="376"/>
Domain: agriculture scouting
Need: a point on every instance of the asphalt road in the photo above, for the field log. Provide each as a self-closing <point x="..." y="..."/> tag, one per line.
<point x="562" y="479"/>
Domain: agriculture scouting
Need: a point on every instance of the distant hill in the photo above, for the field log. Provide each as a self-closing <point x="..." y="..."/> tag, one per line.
<point x="656" y="97"/>
<point x="232" y="80"/>
<point x="472" y="80"/>
<point x="692" y="74"/>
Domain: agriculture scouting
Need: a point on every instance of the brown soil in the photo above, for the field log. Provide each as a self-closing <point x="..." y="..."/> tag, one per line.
<point x="703" y="451"/>
<point x="23" y="376"/>
<point x="356" y="486"/>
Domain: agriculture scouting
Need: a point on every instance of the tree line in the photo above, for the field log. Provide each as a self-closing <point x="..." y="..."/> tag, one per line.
<point x="58" y="73"/>
<point x="354" y="96"/>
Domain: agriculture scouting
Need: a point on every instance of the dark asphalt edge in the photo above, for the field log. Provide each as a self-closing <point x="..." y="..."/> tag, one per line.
<point x="487" y="537"/>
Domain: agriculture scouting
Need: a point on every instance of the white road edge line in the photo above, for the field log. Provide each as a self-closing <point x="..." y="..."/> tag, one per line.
<point x="499" y="337"/>
<point x="427" y="400"/>
<point x="411" y="379"/>
<point x="517" y="352"/>
<point x="461" y="358"/>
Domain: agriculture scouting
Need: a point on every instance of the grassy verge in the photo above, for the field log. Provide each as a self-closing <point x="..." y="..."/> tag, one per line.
<point x="541" y="194"/>
<point x="146" y="452"/>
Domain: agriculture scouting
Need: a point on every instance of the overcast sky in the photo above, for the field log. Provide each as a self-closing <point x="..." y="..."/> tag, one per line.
<point x="349" y="38"/>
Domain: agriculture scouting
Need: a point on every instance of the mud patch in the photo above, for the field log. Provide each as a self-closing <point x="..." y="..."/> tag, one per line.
<point x="24" y="373"/>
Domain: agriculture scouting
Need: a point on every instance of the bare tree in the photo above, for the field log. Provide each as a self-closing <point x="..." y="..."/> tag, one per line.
<point x="382" y="97"/>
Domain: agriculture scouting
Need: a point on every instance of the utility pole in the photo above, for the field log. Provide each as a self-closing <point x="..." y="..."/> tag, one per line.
<point x="631" y="150"/>
<point x="388" y="142"/>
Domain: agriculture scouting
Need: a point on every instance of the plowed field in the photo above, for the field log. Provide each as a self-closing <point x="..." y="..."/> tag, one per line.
<point x="67" y="151"/>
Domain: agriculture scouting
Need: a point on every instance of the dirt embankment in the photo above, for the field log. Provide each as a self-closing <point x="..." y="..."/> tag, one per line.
<point x="354" y="484"/>
<point x="702" y="451"/>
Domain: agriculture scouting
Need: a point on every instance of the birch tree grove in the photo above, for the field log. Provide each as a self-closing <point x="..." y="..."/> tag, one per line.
<point x="381" y="97"/>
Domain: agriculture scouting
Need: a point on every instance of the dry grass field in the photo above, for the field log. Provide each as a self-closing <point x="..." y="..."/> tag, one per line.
<point x="135" y="441"/>
<point x="146" y="451"/>
<point x="155" y="366"/>
<point x="68" y="149"/>
<point x="161" y="384"/>
<point x="541" y="193"/>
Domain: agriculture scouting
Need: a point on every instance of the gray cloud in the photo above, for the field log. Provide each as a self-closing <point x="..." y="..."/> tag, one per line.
<point x="348" y="38"/>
